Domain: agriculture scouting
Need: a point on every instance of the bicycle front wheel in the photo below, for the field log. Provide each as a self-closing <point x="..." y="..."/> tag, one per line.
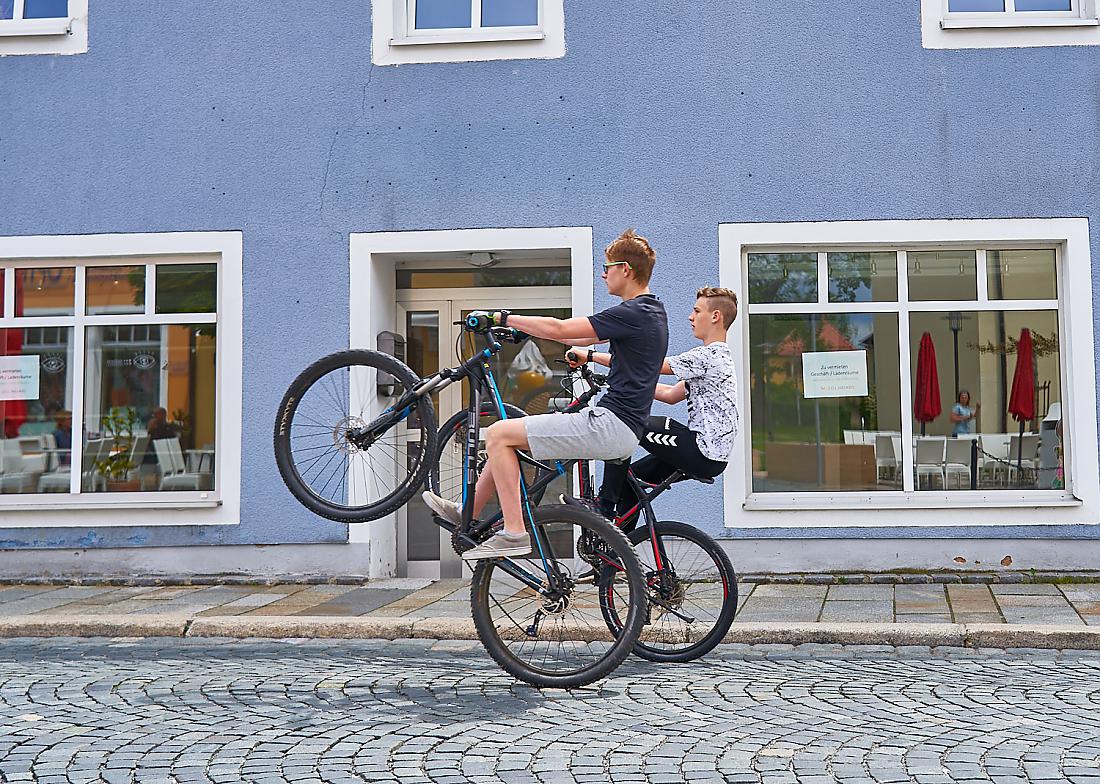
<point x="556" y="637"/>
<point x="691" y="590"/>
<point x="323" y="467"/>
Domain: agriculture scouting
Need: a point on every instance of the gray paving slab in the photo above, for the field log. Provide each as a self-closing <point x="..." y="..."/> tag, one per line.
<point x="779" y="591"/>
<point x="1081" y="592"/>
<point x="357" y="602"/>
<point x="858" y="611"/>
<point x="1028" y="589"/>
<point x="922" y="617"/>
<point x="860" y="593"/>
<point x="1042" y="615"/>
<point x="779" y="609"/>
<point x="1056" y="600"/>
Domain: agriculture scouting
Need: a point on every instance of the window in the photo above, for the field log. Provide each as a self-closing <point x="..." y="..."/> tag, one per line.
<point x="914" y="371"/>
<point x="465" y="30"/>
<point x="964" y="24"/>
<point x="114" y="386"/>
<point x="43" y="26"/>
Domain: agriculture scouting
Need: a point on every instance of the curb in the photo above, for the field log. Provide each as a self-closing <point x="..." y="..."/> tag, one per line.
<point x="328" y="627"/>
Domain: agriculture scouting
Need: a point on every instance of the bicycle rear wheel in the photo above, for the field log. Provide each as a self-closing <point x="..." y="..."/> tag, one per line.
<point x="320" y="463"/>
<point x="559" y="639"/>
<point x="692" y="593"/>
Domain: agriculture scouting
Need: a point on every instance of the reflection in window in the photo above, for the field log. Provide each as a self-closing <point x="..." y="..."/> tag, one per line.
<point x="45" y="9"/>
<point x="1021" y="274"/>
<point x="1044" y="5"/>
<point x="824" y="437"/>
<point x="114" y="290"/>
<point x="443" y="14"/>
<point x="509" y="13"/>
<point x="472" y="277"/>
<point x="977" y="353"/>
<point x="35" y="414"/>
<point x="187" y="288"/>
<point x="863" y="277"/>
<point x="967" y="6"/>
<point x="782" y="277"/>
<point x="149" y="407"/>
<point x="45" y="291"/>
<point x="943" y="275"/>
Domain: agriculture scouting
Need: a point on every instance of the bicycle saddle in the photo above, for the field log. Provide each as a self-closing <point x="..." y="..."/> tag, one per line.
<point x="707" y="480"/>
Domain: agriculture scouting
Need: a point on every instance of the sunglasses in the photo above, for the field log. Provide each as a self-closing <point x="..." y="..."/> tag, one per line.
<point x="609" y="264"/>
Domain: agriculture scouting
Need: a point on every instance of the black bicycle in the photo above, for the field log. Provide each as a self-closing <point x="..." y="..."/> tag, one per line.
<point x="347" y="455"/>
<point x="691" y="586"/>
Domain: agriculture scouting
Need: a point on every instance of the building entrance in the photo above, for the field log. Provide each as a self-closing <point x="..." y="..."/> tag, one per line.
<point x="426" y="311"/>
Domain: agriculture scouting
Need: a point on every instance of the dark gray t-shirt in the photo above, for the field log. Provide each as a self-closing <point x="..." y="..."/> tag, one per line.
<point x="638" y="332"/>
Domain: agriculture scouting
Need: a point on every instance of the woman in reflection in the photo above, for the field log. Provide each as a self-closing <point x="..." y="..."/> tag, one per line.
<point x="63" y="435"/>
<point x="963" y="414"/>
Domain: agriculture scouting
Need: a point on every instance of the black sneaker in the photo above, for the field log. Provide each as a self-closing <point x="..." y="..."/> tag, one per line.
<point x="586" y="503"/>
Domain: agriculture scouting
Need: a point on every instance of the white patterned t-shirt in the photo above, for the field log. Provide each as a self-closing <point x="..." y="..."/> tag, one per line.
<point x="711" y="397"/>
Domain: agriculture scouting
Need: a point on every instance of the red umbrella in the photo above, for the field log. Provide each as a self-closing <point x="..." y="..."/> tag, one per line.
<point x="1021" y="401"/>
<point x="926" y="396"/>
<point x="13" y="413"/>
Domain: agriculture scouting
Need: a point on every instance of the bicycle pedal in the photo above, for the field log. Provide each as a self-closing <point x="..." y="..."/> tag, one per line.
<point x="589" y="578"/>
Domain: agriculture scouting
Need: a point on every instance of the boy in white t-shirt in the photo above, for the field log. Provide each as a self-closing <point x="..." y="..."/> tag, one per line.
<point x="708" y="382"/>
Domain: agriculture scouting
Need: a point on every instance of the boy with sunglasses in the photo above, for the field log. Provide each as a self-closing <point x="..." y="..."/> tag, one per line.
<point x="637" y="329"/>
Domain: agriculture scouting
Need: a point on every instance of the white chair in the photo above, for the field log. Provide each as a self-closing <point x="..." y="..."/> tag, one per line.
<point x="929" y="458"/>
<point x="957" y="461"/>
<point x="1023" y="455"/>
<point x="885" y="459"/>
<point x="173" y="470"/>
<point x="994" y="448"/>
<point x="13" y="476"/>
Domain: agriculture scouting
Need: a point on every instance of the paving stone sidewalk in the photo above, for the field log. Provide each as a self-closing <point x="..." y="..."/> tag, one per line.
<point x="1075" y="604"/>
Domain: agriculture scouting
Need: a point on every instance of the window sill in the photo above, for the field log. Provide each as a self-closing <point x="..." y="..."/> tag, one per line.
<point x="38" y="503"/>
<point x="1015" y="23"/>
<point x="33" y="27"/>
<point x="468" y="38"/>
<point x="957" y="499"/>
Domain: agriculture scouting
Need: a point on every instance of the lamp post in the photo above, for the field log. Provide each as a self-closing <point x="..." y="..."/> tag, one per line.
<point x="954" y="323"/>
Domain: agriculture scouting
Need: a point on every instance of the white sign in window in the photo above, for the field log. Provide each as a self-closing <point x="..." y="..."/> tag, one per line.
<point x="834" y="374"/>
<point x="19" y="378"/>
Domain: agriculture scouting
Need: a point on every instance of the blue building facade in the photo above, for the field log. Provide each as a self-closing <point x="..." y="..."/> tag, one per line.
<point x="295" y="154"/>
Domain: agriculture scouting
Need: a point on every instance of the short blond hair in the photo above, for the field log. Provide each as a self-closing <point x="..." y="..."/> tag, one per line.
<point x="722" y="300"/>
<point x="635" y="249"/>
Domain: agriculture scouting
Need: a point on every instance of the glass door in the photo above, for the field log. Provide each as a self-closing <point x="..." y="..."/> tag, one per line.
<point x="528" y="377"/>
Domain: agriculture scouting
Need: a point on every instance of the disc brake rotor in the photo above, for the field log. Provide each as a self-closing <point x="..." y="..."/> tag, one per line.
<point x="340" y="433"/>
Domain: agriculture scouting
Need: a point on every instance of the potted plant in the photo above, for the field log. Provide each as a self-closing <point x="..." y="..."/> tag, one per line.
<point x="118" y="425"/>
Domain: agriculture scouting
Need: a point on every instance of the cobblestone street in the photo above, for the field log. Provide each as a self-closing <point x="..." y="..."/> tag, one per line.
<point x="415" y="711"/>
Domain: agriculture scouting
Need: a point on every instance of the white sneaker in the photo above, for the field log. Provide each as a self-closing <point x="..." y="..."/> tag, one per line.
<point x="500" y="545"/>
<point x="441" y="507"/>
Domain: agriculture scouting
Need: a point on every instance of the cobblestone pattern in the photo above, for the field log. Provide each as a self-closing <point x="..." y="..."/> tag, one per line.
<point x="416" y="711"/>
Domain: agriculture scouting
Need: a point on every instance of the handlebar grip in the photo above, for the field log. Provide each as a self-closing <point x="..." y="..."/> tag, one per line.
<point x="572" y="356"/>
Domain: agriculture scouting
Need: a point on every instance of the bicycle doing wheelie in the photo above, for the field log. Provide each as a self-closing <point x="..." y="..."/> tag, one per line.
<point x="691" y="586"/>
<point x="542" y="617"/>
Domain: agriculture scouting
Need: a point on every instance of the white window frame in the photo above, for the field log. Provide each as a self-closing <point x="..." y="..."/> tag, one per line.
<point x="63" y="35"/>
<point x="395" y="41"/>
<point x="1069" y="236"/>
<point x="220" y="506"/>
<point x="944" y="29"/>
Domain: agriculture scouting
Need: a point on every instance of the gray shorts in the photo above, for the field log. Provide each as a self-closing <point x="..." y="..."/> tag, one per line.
<point x="592" y="434"/>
